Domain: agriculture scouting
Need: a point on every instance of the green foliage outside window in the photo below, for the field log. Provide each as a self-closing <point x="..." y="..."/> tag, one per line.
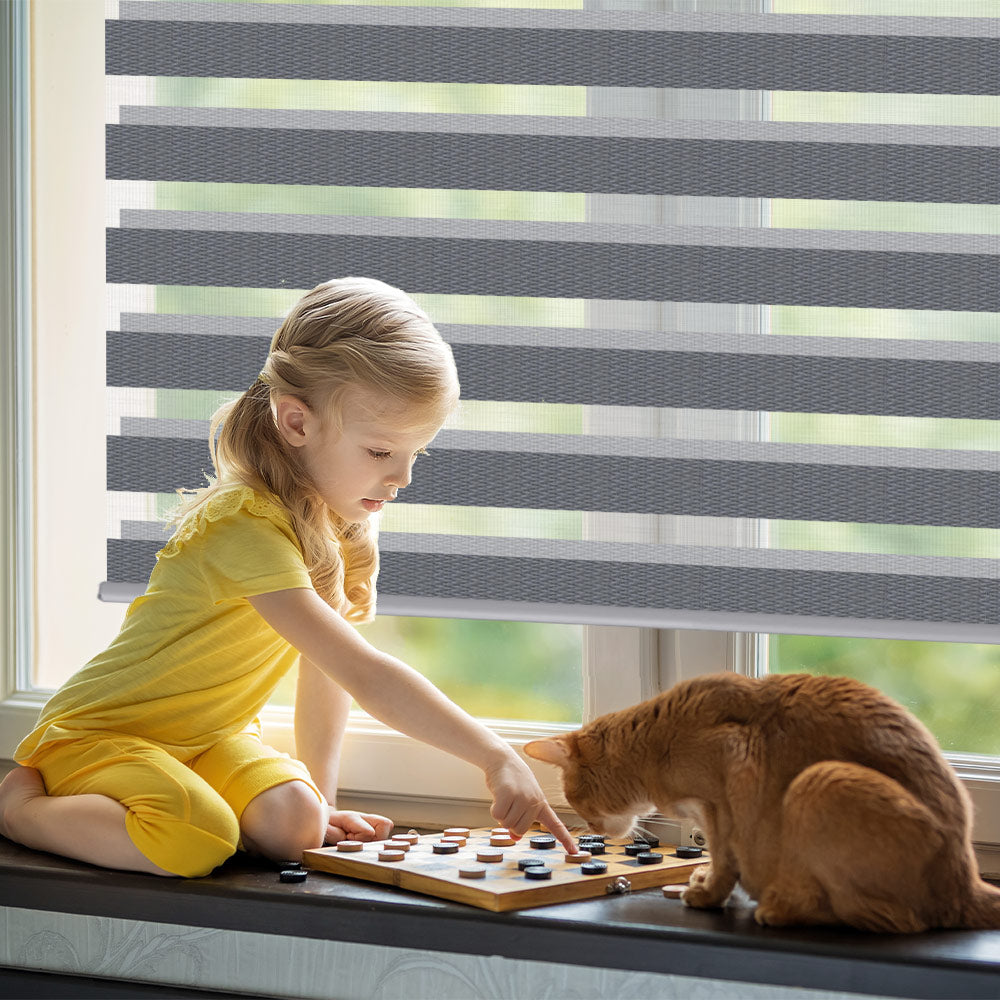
<point x="953" y="688"/>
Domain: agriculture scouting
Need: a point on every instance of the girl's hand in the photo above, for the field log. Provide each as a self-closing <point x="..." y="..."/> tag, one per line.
<point x="518" y="801"/>
<point x="356" y="826"/>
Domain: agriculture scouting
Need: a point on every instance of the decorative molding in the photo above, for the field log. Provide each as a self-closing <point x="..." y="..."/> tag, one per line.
<point x="279" y="966"/>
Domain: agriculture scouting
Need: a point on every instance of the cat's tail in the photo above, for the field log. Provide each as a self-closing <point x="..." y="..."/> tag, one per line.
<point x="982" y="912"/>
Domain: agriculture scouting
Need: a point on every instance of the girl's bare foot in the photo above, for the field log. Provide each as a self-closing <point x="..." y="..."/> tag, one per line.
<point x="16" y="790"/>
<point x="85" y="827"/>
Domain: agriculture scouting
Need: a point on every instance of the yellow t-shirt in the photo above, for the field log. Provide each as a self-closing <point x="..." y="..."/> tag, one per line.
<point x="193" y="662"/>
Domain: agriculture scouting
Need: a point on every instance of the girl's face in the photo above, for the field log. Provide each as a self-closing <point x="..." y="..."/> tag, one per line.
<point x="360" y="465"/>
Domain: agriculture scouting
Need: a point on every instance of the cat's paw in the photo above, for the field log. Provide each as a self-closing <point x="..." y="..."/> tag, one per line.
<point x="701" y="898"/>
<point x="791" y="908"/>
<point x="769" y="916"/>
<point x="699" y="875"/>
<point x="704" y="892"/>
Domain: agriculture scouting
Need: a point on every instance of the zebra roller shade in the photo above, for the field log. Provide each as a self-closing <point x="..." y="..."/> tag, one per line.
<point x="723" y="292"/>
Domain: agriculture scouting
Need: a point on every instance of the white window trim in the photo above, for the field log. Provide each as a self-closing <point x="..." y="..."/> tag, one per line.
<point x="18" y="704"/>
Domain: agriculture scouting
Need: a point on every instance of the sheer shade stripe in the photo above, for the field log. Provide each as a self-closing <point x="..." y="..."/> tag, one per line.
<point x="690" y="531"/>
<point x="746" y="23"/>
<point x="552" y="125"/>
<point x="645" y="448"/>
<point x="626" y="554"/>
<point x="746" y="237"/>
<point x="263" y="327"/>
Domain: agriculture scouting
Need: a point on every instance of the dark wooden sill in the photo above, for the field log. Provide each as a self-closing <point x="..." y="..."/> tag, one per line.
<point x="642" y="931"/>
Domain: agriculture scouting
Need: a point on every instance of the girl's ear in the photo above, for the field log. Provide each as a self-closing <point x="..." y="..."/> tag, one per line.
<point x="552" y="750"/>
<point x="293" y="419"/>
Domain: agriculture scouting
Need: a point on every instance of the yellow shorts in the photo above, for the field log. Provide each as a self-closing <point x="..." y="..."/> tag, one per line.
<point x="183" y="816"/>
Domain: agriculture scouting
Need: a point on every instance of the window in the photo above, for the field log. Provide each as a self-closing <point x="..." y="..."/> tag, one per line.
<point x="70" y="317"/>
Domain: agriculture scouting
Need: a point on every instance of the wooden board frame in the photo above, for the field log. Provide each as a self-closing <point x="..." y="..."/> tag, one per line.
<point x="505" y="886"/>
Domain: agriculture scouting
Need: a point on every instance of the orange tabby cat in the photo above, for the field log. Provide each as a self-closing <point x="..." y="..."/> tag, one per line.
<point x="826" y="800"/>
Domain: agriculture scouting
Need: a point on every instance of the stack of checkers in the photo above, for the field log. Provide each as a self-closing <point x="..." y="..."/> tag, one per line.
<point x="641" y="849"/>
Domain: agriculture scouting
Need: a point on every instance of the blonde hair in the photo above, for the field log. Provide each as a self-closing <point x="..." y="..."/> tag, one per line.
<point x="346" y="333"/>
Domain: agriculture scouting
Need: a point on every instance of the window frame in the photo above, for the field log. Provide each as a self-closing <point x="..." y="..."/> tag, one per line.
<point x="18" y="704"/>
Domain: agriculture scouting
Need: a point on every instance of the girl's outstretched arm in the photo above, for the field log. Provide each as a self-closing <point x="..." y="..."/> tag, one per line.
<point x="399" y="696"/>
<point x="321" y="710"/>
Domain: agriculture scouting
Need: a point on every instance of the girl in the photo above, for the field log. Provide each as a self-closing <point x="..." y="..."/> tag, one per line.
<point x="150" y="758"/>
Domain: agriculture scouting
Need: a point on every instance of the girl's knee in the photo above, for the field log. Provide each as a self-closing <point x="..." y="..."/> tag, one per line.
<point x="191" y="845"/>
<point x="285" y="820"/>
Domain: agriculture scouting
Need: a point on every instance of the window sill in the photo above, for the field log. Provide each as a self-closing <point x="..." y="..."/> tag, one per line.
<point x="641" y="932"/>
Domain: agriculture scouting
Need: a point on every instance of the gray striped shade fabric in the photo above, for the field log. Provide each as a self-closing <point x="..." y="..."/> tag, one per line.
<point x="684" y="405"/>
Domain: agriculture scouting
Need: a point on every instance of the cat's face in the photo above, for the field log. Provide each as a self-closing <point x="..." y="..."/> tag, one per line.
<point x="605" y="804"/>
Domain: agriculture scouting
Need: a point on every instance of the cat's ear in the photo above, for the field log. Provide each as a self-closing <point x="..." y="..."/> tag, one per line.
<point x="553" y="750"/>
